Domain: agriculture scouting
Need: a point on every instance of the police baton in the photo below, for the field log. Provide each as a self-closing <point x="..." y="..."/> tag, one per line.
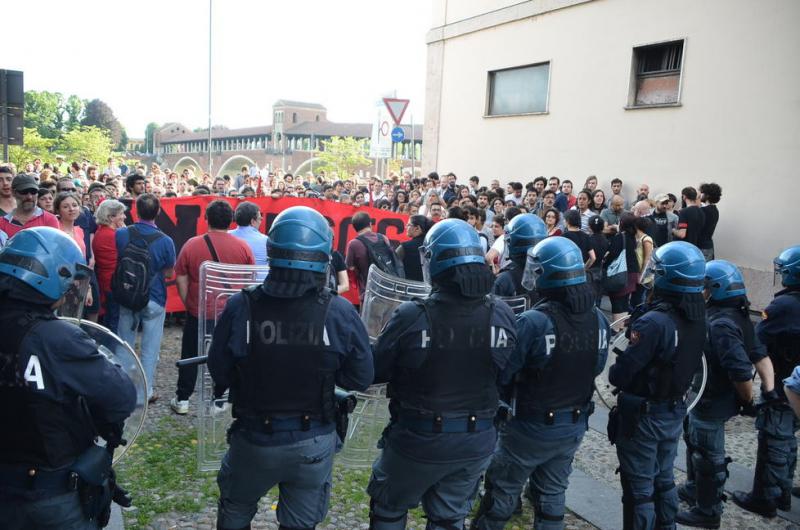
<point x="192" y="361"/>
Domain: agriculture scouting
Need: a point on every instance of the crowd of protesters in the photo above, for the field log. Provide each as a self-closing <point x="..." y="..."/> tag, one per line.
<point x="83" y="200"/>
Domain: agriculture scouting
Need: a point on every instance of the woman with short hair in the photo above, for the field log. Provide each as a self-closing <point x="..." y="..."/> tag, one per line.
<point x="110" y="216"/>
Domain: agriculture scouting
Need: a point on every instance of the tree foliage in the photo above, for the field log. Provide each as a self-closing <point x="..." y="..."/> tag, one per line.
<point x="74" y="108"/>
<point x="44" y="112"/>
<point x="36" y="146"/>
<point x="342" y="155"/>
<point x="98" y="114"/>
<point x="90" y="143"/>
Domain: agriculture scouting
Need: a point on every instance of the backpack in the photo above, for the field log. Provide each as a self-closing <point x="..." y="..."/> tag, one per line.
<point x="381" y="254"/>
<point x="130" y="284"/>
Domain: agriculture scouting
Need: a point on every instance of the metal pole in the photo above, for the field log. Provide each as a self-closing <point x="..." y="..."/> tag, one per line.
<point x="413" y="147"/>
<point x="210" y="163"/>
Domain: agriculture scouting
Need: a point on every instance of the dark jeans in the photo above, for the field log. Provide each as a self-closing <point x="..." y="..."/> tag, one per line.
<point x="187" y="375"/>
<point x="111" y="315"/>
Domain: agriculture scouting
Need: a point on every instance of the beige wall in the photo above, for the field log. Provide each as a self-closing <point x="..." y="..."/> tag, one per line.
<point x="738" y="123"/>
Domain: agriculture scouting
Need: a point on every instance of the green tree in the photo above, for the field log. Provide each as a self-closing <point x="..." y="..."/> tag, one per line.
<point x="123" y="141"/>
<point x="98" y="114"/>
<point x="342" y="155"/>
<point x="44" y="111"/>
<point x="35" y="146"/>
<point x="74" y="109"/>
<point x="91" y="143"/>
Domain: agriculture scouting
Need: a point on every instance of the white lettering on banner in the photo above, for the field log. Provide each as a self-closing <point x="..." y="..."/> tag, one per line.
<point x="425" y="339"/>
<point x="33" y="372"/>
<point x="603" y="343"/>
<point x="550" y="340"/>
<point x="499" y="338"/>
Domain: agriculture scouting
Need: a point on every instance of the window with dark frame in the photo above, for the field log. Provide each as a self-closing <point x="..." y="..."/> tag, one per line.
<point x="520" y="90"/>
<point x="657" y="74"/>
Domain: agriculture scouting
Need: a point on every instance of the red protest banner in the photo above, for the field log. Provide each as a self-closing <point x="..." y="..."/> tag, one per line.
<point x="184" y="217"/>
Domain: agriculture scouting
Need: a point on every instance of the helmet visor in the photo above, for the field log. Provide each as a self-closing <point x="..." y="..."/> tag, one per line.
<point x="75" y="297"/>
<point x="425" y="261"/>
<point x="533" y="271"/>
<point x="648" y="276"/>
<point x="777" y="277"/>
<point x="506" y="256"/>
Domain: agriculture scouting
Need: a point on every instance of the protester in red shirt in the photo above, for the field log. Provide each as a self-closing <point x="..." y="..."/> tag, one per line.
<point x="226" y="249"/>
<point x="27" y="214"/>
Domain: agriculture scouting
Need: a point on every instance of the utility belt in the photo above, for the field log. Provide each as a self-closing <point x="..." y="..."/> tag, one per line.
<point x="556" y="417"/>
<point x="624" y="418"/>
<point x="439" y="424"/>
<point x="17" y="479"/>
<point x="271" y="425"/>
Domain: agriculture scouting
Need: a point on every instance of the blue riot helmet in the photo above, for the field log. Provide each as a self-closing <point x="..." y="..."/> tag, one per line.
<point x="301" y="239"/>
<point x="45" y="259"/>
<point x="787" y="266"/>
<point x="523" y="232"/>
<point x="552" y="263"/>
<point x="449" y="243"/>
<point x="724" y="280"/>
<point x="678" y="267"/>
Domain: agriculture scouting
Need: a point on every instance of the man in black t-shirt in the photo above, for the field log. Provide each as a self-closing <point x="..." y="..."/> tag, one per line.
<point x="691" y="217"/>
<point x="580" y="238"/>
<point x="663" y="221"/>
<point x="709" y="194"/>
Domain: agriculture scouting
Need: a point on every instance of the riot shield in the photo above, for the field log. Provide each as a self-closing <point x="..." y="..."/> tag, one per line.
<point x="218" y="282"/>
<point x="607" y="392"/>
<point x="367" y="421"/>
<point x="383" y="293"/>
<point x="118" y="352"/>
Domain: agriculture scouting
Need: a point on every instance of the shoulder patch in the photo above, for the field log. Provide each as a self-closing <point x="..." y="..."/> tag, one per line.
<point x="634" y="338"/>
<point x="764" y="315"/>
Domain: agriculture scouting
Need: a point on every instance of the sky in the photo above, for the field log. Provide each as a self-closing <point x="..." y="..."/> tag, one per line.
<point x="148" y="59"/>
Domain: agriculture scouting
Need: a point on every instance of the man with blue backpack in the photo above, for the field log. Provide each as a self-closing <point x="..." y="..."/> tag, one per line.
<point x="145" y="257"/>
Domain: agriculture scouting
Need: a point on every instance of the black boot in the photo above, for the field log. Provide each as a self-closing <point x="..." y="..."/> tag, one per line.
<point x="694" y="518"/>
<point x="795" y="492"/>
<point x="784" y="502"/>
<point x="746" y="501"/>
<point x="685" y="495"/>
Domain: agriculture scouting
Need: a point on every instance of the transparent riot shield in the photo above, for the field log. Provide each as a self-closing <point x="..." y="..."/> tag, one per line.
<point x="383" y="293"/>
<point x="74" y="299"/>
<point x="119" y="353"/>
<point x="367" y="421"/>
<point x="607" y="392"/>
<point x="218" y="282"/>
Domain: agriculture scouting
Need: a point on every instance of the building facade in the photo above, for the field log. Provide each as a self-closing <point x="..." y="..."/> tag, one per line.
<point x="670" y="94"/>
<point x="297" y="132"/>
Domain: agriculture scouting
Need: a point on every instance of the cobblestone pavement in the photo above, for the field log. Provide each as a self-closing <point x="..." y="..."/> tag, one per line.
<point x="596" y="458"/>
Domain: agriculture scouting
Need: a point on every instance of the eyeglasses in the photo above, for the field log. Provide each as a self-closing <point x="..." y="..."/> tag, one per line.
<point x="31" y="191"/>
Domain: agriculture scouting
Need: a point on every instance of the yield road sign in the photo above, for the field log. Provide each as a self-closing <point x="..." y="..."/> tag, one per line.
<point x="397" y="107"/>
<point x="398" y="135"/>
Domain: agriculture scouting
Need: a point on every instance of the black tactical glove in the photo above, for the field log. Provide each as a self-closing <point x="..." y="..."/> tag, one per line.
<point x="112" y="434"/>
<point x="119" y="494"/>
<point x="748" y="409"/>
<point x="772" y="395"/>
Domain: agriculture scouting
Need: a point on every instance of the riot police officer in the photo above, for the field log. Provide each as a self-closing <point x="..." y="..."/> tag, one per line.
<point x="281" y="347"/>
<point x="777" y="447"/>
<point x="521" y="233"/>
<point x="562" y="344"/>
<point x="57" y="392"/>
<point x="731" y="351"/>
<point x="653" y="376"/>
<point x="441" y="357"/>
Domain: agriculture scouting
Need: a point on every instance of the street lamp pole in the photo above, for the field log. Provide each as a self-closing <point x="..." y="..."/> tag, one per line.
<point x="210" y="163"/>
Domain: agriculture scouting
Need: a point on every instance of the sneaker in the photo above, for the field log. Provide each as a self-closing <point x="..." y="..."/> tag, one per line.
<point x="746" y="501"/>
<point x="179" y="407"/>
<point x="220" y="406"/>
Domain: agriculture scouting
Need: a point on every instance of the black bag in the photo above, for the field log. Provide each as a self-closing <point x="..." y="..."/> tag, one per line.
<point x="382" y="255"/>
<point x="130" y="284"/>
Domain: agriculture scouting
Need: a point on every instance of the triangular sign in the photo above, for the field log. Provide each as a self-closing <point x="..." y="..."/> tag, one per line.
<point x="397" y="107"/>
